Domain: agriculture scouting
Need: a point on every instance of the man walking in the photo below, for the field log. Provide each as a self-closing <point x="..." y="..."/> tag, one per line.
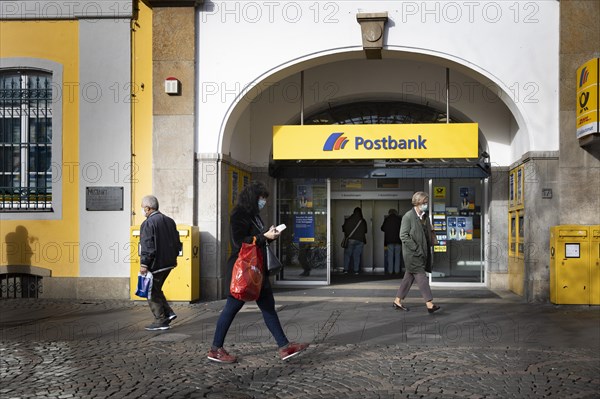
<point x="160" y="246"/>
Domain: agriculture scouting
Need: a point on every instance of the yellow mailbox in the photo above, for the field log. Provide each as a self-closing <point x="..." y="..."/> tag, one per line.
<point x="183" y="283"/>
<point x="595" y="265"/>
<point x="570" y="265"/>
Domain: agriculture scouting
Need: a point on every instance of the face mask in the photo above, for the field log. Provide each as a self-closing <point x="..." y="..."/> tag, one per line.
<point x="424" y="207"/>
<point x="261" y="203"/>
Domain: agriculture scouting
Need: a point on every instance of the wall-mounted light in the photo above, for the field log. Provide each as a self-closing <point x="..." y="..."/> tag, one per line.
<point x="172" y="86"/>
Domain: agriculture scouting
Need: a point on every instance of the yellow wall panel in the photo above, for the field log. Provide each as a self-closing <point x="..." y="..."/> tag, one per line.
<point x="142" y="109"/>
<point x="51" y="244"/>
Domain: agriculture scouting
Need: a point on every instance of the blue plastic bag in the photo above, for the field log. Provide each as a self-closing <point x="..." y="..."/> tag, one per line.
<point x="144" y="286"/>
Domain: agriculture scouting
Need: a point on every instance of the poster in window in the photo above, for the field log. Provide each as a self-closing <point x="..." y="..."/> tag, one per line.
<point x="464" y="228"/>
<point x="451" y="225"/>
<point x="304" y="228"/>
<point x="305" y="196"/>
<point x="467" y="198"/>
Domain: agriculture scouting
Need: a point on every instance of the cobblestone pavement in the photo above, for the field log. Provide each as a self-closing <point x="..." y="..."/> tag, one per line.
<point x="479" y="345"/>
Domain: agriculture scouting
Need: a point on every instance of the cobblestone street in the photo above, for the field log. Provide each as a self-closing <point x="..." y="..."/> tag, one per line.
<point x="480" y="345"/>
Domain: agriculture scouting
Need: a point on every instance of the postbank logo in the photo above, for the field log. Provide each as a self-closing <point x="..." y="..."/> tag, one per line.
<point x="335" y="141"/>
<point x="583" y="76"/>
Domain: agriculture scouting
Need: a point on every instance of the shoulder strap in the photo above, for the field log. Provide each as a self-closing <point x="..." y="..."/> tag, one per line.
<point x="258" y="224"/>
<point x="355" y="227"/>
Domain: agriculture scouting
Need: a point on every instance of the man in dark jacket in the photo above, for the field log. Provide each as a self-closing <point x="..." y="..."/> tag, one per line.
<point x="160" y="246"/>
<point x="355" y="228"/>
<point x="391" y="239"/>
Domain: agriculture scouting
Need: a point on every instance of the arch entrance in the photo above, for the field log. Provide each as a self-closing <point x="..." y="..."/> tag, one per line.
<point x="314" y="196"/>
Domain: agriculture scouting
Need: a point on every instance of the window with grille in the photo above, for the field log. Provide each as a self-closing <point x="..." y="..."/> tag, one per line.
<point x="25" y="140"/>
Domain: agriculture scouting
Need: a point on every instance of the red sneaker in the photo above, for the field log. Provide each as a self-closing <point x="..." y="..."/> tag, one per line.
<point x="220" y="355"/>
<point x="292" y="349"/>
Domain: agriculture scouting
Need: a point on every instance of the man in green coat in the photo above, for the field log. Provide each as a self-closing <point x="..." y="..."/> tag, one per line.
<point x="417" y="238"/>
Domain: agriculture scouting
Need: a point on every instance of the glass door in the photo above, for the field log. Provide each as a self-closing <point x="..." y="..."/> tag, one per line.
<point x="302" y="204"/>
<point x="457" y="216"/>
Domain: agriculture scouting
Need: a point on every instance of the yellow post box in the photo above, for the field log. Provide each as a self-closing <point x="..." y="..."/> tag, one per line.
<point x="570" y="264"/>
<point x="595" y="265"/>
<point x="183" y="283"/>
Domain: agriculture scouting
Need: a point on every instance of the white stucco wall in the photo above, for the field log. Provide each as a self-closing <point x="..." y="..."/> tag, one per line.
<point x="509" y="47"/>
<point x="347" y="81"/>
<point x="104" y="144"/>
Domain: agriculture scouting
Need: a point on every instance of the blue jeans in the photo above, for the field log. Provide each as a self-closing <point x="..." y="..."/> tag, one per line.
<point x="353" y="250"/>
<point x="266" y="303"/>
<point x="394" y="254"/>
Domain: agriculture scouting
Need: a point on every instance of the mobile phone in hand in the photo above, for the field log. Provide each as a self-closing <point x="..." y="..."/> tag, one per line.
<point x="280" y="228"/>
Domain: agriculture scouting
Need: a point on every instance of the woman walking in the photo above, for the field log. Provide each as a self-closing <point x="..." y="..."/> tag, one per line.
<point x="247" y="226"/>
<point x="417" y="238"/>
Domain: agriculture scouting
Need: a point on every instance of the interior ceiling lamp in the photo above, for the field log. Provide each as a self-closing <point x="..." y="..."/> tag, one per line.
<point x="372" y="26"/>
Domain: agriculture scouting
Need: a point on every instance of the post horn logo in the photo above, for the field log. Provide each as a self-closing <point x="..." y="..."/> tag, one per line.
<point x="336" y="141"/>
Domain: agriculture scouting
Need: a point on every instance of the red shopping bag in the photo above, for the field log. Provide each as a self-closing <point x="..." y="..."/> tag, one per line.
<point x="247" y="274"/>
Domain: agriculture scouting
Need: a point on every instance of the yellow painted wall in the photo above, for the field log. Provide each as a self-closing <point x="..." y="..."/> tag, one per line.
<point x="51" y="244"/>
<point x="141" y="109"/>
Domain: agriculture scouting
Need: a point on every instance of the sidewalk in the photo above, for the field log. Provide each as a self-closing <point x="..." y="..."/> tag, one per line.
<point x="480" y="344"/>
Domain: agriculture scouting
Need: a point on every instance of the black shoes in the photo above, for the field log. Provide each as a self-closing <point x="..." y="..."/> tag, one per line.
<point x="400" y="307"/>
<point x="433" y="308"/>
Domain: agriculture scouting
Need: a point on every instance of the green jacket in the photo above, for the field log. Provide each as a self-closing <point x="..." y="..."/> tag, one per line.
<point x="415" y="244"/>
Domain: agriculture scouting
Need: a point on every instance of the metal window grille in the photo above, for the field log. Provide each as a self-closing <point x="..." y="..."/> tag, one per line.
<point x="25" y="140"/>
<point x="18" y="285"/>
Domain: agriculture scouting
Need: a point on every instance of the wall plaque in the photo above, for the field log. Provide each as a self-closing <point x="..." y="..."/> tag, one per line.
<point x="104" y="198"/>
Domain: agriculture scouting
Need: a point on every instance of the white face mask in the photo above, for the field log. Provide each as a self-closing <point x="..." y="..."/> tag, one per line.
<point x="424" y="207"/>
<point x="261" y="203"/>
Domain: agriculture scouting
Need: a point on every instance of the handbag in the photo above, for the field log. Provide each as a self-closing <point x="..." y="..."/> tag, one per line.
<point x="345" y="242"/>
<point x="346" y="238"/>
<point x="273" y="264"/>
<point x="144" y="285"/>
<point x="247" y="274"/>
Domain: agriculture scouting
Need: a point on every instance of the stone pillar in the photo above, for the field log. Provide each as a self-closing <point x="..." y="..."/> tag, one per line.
<point x="173" y="55"/>
<point x="496" y="251"/>
<point x="212" y="221"/>
<point x="579" y="168"/>
<point x="541" y="179"/>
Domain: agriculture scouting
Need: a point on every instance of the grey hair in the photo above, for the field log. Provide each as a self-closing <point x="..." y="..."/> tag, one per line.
<point x="419" y="197"/>
<point x="150" y="201"/>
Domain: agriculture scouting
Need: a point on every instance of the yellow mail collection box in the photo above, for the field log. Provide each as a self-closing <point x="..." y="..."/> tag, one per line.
<point x="574" y="265"/>
<point x="595" y="264"/>
<point x="183" y="283"/>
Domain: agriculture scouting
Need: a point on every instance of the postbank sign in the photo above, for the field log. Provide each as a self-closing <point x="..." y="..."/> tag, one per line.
<point x="416" y="141"/>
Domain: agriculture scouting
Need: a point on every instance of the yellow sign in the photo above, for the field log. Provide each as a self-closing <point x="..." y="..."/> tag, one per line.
<point x="454" y="140"/>
<point x="587" y="98"/>
<point x="439" y="192"/>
